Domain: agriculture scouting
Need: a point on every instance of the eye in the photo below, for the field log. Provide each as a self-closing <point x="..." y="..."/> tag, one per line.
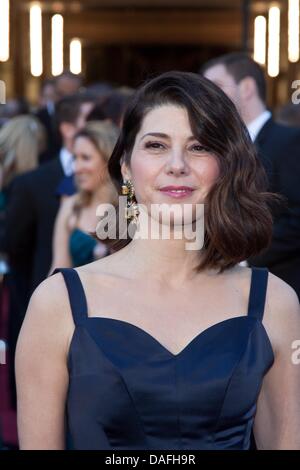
<point x="154" y="145"/>
<point x="198" y="148"/>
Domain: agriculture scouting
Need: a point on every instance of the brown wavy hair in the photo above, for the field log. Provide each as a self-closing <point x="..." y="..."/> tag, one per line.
<point x="238" y="220"/>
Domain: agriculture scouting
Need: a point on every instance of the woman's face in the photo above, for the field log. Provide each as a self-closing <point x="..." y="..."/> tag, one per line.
<point x="168" y="164"/>
<point x="90" y="167"/>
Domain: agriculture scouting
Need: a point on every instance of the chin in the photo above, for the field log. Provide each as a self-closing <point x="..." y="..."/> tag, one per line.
<point x="84" y="187"/>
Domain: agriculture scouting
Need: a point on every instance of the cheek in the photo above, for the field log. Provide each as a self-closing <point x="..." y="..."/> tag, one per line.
<point x="95" y="167"/>
<point x="210" y="173"/>
<point x="143" y="176"/>
<point x="214" y="171"/>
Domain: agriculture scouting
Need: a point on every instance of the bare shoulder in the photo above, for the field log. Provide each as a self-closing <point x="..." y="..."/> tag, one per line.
<point x="48" y="314"/>
<point x="50" y="296"/>
<point x="281" y="298"/>
<point x="67" y="204"/>
<point x="282" y="312"/>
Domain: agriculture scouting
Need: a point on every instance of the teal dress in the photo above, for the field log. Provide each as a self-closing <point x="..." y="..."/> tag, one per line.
<point x="81" y="246"/>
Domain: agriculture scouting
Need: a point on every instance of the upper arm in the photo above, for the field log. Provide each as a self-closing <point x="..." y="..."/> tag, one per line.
<point x="277" y="422"/>
<point x="61" y="236"/>
<point x="41" y="368"/>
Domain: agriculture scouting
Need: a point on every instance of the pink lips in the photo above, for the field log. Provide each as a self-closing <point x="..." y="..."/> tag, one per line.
<point x="177" y="192"/>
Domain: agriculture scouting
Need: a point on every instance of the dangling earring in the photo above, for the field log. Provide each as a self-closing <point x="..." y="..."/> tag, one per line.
<point x="132" y="209"/>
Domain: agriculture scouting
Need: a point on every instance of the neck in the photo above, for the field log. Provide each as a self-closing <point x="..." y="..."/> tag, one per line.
<point x="250" y="112"/>
<point x="68" y="145"/>
<point x="106" y="193"/>
<point x="167" y="261"/>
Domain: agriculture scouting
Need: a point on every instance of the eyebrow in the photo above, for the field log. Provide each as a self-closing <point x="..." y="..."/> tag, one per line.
<point x="163" y="136"/>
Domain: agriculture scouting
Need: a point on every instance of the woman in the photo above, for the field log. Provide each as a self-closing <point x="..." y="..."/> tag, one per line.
<point x="171" y="348"/>
<point x="73" y="245"/>
<point x="22" y="139"/>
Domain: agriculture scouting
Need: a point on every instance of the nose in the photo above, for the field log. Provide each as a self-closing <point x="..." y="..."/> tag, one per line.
<point x="176" y="164"/>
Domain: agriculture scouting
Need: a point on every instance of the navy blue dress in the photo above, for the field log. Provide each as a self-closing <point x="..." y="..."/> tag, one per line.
<point x="127" y="391"/>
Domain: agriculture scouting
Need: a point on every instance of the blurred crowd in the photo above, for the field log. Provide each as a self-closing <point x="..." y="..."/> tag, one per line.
<point x="53" y="175"/>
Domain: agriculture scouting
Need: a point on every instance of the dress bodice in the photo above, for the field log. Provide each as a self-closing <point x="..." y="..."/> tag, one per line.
<point x="127" y="391"/>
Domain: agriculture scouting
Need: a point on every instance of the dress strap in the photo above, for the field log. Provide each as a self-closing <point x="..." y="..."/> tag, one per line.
<point x="76" y="293"/>
<point x="258" y="290"/>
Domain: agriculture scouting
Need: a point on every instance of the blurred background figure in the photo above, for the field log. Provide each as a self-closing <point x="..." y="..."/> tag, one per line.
<point x="22" y="139"/>
<point x="12" y="108"/>
<point x="76" y="220"/>
<point x="67" y="84"/>
<point x="35" y="195"/>
<point x="278" y="146"/>
<point x="71" y="115"/>
<point x="46" y="114"/>
<point x="48" y="95"/>
<point x="111" y="105"/>
<point x="15" y="107"/>
<point x="114" y="104"/>
<point x="30" y="214"/>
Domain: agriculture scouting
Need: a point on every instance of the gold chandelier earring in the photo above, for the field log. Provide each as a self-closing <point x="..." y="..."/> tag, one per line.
<point x="132" y="209"/>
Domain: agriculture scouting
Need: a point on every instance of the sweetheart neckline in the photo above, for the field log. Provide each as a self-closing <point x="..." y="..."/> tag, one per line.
<point x="190" y="343"/>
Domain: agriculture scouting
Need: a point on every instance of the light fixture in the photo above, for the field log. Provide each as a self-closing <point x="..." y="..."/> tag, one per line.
<point x="4" y="30"/>
<point x="36" y="52"/>
<point x="57" y="44"/>
<point x="75" y="56"/>
<point x="260" y="31"/>
<point x="293" y="31"/>
<point x="274" y="41"/>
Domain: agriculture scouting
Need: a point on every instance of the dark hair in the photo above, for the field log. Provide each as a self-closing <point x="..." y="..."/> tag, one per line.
<point x="239" y="65"/>
<point x="238" y="219"/>
<point x="97" y="114"/>
<point x="67" y="109"/>
<point x="111" y="106"/>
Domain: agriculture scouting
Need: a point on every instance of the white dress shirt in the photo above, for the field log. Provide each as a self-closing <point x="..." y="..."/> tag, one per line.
<point x="255" y="126"/>
<point x="67" y="161"/>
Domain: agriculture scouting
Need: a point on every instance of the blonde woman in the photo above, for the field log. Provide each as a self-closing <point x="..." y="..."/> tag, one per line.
<point x="22" y="139"/>
<point x="72" y="244"/>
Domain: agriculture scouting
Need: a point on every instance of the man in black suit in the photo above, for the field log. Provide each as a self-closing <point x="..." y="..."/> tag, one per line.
<point x="278" y="146"/>
<point x="52" y="90"/>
